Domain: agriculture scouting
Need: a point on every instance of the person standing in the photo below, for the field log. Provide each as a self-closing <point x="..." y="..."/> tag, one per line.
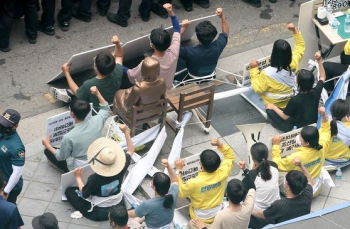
<point x="12" y="154"/>
<point x="9" y="217"/>
<point x="6" y="17"/>
<point x="46" y="25"/>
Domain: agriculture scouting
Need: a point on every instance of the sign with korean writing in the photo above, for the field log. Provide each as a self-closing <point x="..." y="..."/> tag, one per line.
<point x="337" y="4"/>
<point x="59" y="125"/>
<point x="262" y="63"/>
<point x="288" y="142"/>
<point x="191" y="167"/>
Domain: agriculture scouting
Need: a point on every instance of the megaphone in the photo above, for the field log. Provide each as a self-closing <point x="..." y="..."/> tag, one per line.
<point x="251" y="134"/>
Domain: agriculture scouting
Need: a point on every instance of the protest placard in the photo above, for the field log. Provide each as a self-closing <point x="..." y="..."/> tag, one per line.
<point x="59" y="125"/>
<point x="191" y="167"/>
<point x="68" y="179"/>
<point x="262" y="63"/>
<point x="288" y="142"/>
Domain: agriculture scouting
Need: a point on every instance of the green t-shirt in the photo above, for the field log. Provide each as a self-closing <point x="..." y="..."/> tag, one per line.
<point x="107" y="87"/>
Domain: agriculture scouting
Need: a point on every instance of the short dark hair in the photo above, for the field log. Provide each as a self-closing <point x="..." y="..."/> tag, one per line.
<point x="311" y="135"/>
<point x="119" y="215"/>
<point x="105" y="63"/>
<point x="160" y="38"/>
<point x="305" y="80"/>
<point x="80" y="108"/>
<point x="235" y="191"/>
<point x="281" y="55"/>
<point x="210" y="160"/>
<point x="2" y="181"/>
<point x="206" y="32"/>
<point x="297" y="181"/>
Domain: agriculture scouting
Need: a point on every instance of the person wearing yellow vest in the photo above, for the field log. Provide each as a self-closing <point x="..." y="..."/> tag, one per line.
<point x="314" y="145"/>
<point x="340" y="131"/>
<point x="207" y="190"/>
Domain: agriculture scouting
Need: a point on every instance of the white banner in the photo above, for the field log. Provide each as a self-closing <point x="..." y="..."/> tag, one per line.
<point x="288" y="142"/>
<point x="262" y="63"/>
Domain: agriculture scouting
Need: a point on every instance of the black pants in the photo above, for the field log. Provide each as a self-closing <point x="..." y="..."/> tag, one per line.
<point x="65" y="13"/>
<point x="146" y="6"/>
<point x="98" y="214"/>
<point x="187" y="3"/>
<point x="278" y="122"/>
<point x="335" y="69"/>
<point x="256" y="223"/>
<point x="12" y="197"/>
<point x="6" y="18"/>
<point x="47" y="18"/>
<point x="62" y="165"/>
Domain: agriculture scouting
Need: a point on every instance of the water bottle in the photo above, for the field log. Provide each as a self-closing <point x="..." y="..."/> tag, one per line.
<point x="338" y="176"/>
<point x="177" y="226"/>
<point x="185" y="226"/>
<point x="329" y="9"/>
<point x="335" y="25"/>
<point x="347" y="22"/>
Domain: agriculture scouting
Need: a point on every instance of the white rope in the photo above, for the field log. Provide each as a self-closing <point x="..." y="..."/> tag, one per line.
<point x="332" y="79"/>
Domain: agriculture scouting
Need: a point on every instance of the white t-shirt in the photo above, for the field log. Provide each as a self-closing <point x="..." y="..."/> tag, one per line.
<point x="267" y="192"/>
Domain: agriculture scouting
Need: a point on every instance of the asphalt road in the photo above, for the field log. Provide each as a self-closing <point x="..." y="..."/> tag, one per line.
<point x="25" y="70"/>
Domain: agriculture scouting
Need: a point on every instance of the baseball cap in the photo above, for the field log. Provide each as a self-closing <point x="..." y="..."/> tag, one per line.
<point x="45" y="221"/>
<point x="10" y="118"/>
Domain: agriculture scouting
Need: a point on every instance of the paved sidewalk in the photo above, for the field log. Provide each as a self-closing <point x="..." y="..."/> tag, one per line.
<point x="41" y="191"/>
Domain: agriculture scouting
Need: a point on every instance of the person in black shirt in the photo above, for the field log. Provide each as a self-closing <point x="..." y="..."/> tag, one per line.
<point x="302" y="108"/>
<point x="298" y="186"/>
<point x="109" y="162"/>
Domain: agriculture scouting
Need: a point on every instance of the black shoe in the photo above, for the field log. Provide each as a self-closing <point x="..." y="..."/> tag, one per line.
<point x="49" y="30"/>
<point x="31" y="40"/>
<point x="103" y="12"/>
<point x="254" y="4"/>
<point x="64" y="25"/>
<point x="5" y="49"/>
<point x="273" y="1"/>
<point x="188" y="8"/>
<point x="155" y="10"/>
<point x="78" y="15"/>
<point x="115" y="19"/>
<point x="144" y="17"/>
<point x="203" y="4"/>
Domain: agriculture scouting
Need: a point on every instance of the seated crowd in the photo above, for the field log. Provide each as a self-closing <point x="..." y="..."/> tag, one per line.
<point x="254" y="202"/>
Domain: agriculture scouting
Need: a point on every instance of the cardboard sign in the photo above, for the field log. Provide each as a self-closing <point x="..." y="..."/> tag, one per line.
<point x="262" y="63"/>
<point x="337" y="4"/>
<point x="59" y="125"/>
<point x="288" y="142"/>
<point x="68" y="179"/>
<point x="191" y="168"/>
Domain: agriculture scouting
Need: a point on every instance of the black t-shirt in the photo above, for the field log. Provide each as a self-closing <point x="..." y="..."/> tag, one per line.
<point x="98" y="185"/>
<point x="286" y="209"/>
<point x="303" y="108"/>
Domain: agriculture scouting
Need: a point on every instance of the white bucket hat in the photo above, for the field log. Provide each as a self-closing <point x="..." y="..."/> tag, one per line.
<point x="106" y="157"/>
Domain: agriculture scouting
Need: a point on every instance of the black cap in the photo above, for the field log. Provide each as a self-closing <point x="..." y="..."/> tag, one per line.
<point x="10" y="118"/>
<point x="45" y="221"/>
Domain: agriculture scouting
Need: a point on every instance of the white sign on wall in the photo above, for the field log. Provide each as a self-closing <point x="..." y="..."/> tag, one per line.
<point x="337" y="4"/>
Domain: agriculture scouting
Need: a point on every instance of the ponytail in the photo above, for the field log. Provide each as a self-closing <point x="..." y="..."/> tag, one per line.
<point x="259" y="154"/>
<point x="318" y="147"/>
<point x="264" y="170"/>
<point x="168" y="201"/>
<point x="339" y="109"/>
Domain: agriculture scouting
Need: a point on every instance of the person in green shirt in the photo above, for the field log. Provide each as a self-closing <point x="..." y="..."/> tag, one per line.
<point x="108" y="79"/>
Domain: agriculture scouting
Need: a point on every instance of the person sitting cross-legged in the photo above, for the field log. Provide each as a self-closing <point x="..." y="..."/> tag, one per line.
<point x="298" y="186"/>
<point x="76" y="142"/>
<point x="241" y="197"/>
<point x="200" y="61"/>
<point x="108" y="79"/>
<point x="207" y="190"/>
<point x="102" y="190"/>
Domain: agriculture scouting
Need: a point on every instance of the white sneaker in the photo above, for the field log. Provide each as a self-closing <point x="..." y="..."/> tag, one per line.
<point x="60" y="94"/>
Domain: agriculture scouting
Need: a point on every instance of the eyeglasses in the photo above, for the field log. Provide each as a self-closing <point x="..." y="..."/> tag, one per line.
<point x="95" y="158"/>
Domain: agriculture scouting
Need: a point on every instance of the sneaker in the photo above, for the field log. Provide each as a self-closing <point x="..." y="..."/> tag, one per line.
<point x="203" y="4"/>
<point x="31" y="40"/>
<point x="103" y="12"/>
<point x="273" y="1"/>
<point x="64" y="25"/>
<point x="76" y="13"/>
<point x="254" y="4"/>
<point x="115" y="19"/>
<point x="60" y="94"/>
<point x="156" y="10"/>
<point x="48" y="30"/>
<point x="144" y="17"/>
<point x="188" y="8"/>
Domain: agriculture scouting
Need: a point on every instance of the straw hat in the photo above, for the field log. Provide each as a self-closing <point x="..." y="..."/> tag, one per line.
<point x="106" y="157"/>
